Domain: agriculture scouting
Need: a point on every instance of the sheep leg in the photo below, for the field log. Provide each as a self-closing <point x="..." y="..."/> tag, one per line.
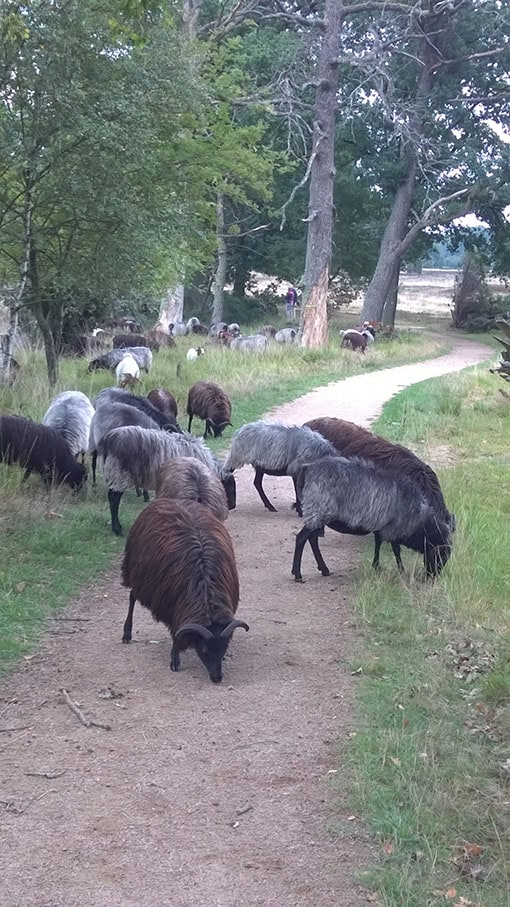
<point x="377" y="549"/>
<point x="175" y="661"/>
<point x="190" y="420"/>
<point x="128" y="626"/>
<point x="396" y="551"/>
<point x="146" y="495"/>
<point x="94" y="464"/>
<point x="114" y="501"/>
<point x="301" y="540"/>
<point x="314" y="545"/>
<point x="259" y="475"/>
<point x="297" y="503"/>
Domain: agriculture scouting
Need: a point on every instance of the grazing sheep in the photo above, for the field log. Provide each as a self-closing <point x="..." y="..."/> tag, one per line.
<point x="286" y="335"/>
<point x="268" y="331"/>
<point x="125" y="341"/>
<point x="187" y="479"/>
<point x="179" y="563"/>
<point x="278" y="450"/>
<point x="354" y="340"/>
<point x="111" y="414"/>
<point x="132" y="457"/>
<point x="158" y="339"/>
<point x="351" y="440"/>
<point x="165" y="402"/>
<point x="194" y="326"/>
<point x="38" y="448"/>
<point x="70" y="414"/>
<point x="116" y="395"/>
<point x="110" y="360"/>
<point x="178" y="328"/>
<point x="234" y="329"/>
<point x="216" y="328"/>
<point x="193" y="353"/>
<point x="368" y="332"/>
<point x="356" y="498"/>
<point x="209" y="402"/>
<point x="127" y="372"/>
<point x="253" y="343"/>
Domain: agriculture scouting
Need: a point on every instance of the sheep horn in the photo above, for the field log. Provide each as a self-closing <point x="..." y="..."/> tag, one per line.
<point x="229" y="629"/>
<point x="194" y="628"/>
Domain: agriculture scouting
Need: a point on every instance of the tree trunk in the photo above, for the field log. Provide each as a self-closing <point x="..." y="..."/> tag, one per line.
<point x="49" y="346"/>
<point x="390" y="306"/>
<point x="17" y="295"/>
<point x="314" y="317"/>
<point x="221" y="268"/>
<point x="240" y="279"/>
<point x="171" y="309"/>
<point x="388" y="263"/>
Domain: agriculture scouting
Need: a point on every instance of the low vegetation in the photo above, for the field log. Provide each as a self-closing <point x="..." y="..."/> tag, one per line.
<point x="50" y="542"/>
<point x="431" y="762"/>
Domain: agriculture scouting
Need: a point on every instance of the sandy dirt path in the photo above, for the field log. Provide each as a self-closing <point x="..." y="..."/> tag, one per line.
<point x="199" y="795"/>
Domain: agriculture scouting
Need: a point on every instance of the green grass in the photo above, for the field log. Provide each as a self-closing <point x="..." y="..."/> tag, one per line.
<point x="46" y="559"/>
<point x="434" y="697"/>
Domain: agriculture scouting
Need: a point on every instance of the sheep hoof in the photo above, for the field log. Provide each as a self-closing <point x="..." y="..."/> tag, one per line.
<point x="271" y="508"/>
<point x="117" y="530"/>
<point x="326" y="572"/>
<point x="298" y="579"/>
<point x="127" y="641"/>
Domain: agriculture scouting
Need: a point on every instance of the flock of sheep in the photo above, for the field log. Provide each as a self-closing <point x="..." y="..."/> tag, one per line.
<point x="179" y="560"/>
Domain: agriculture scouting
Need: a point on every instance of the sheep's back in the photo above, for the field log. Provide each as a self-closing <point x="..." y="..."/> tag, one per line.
<point x="187" y="479"/>
<point x="179" y="561"/>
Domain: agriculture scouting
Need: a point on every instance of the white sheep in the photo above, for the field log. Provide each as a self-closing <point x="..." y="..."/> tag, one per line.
<point x="127" y="372"/>
<point x="193" y="353"/>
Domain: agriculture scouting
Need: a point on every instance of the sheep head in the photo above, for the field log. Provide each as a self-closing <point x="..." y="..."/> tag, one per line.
<point x="210" y="643"/>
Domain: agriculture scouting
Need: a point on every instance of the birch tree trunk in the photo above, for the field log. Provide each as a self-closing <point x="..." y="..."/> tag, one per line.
<point x="314" y="315"/>
<point x="17" y="295"/>
<point x="221" y="267"/>
<point x="171" y="309"/>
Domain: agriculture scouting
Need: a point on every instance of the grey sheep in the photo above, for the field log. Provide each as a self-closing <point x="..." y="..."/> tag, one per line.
<point x="70" y="414"/>
<point x="286" y="335"/>
<point x="278" y="450"/>
<point x="217" y="327"/>
<point x="110" y="360"/>
<point x="132" y="457"/>
<point x="356" y="498"/>
<point x="188" y="480"/>
<point x="110" y="415"/>
<point x="178" y="329"/>
<point x="253" y="343"/>
<point x="351" y="440"/>
<point x="120" y="395"/>
<point x="209" y="402"/>
<point x="179" y="563"/>
<point x="234" y="329"/>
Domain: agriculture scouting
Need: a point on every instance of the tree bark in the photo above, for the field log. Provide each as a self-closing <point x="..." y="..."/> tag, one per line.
<point x="390" y="306"/>
<point x="171" y="309"/>
<point x="17" y="295"/>
<point x="388" y="262"/>
<point x="314" y="317"/>
<point x="221" y="267"/>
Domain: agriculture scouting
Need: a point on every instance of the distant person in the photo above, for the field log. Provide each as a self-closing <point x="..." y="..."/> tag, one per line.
<point x="291" y="301"/>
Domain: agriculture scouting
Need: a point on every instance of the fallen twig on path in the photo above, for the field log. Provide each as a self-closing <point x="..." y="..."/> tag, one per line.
<point x="11" y="807"/>
<point x="7" y="730"/>
<point x="50" y="775"/>
<point x="87" y="722"/>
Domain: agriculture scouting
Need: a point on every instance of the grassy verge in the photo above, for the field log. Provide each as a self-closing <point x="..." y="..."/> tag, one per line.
<point x="52" y="545"/>
<point x="432" y="760"/>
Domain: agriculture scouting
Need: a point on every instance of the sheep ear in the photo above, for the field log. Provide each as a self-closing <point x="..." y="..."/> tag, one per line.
<point x="229" y="629"/>
<point x="194" y="628"/>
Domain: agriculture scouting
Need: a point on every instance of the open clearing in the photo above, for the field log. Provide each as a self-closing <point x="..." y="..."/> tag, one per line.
<point x="199" y="794"/>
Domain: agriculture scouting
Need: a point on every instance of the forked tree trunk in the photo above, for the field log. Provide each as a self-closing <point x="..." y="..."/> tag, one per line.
<point x="314" y="313"/>
<point x="221" y="267"/>
<point x="390" y="306"/>
<point x="171" y="309"/>
<point x="388" y="262"/>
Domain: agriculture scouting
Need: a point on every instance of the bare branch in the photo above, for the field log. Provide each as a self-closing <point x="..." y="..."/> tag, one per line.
<point x="302" y="182"/>
<point x="469" y="57"/>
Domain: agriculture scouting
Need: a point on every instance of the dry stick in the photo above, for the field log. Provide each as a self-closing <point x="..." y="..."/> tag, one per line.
<point x="69" y="618"/>
<point x="7" y="730"/>
<point x="50" y="775"/>
<point x="87" y="722"/>
<point x="19" y="812"/>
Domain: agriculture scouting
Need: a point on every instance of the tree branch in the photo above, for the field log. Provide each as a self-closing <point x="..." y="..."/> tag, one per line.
<point x="302" y="182"/>
<point x="469" y="57"/>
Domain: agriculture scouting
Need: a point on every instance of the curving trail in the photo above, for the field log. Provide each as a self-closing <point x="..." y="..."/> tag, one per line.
<point x="199" y="795"/>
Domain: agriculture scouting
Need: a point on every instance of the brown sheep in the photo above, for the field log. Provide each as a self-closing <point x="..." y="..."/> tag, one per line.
<point x="179" y="563"/>
<point x="209" y="402"/>
<point x="164" y="401"/>
<point x="355" y="340"/>
<point x="188" y="480"/>
<point x="125" y="341"/>
<point x="351" y="440"/>
<point x="159" y="339"/>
